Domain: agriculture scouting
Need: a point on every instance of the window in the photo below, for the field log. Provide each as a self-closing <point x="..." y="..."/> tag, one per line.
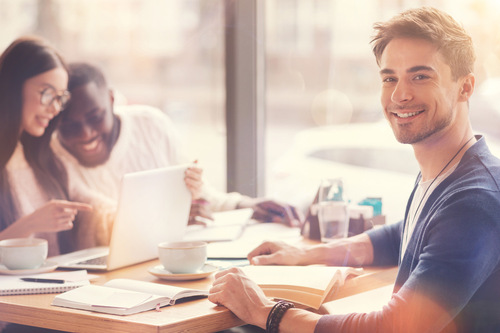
<point x="323" y="110"/>
<point x="167" y="54"/>
<point x="319" y="72"/>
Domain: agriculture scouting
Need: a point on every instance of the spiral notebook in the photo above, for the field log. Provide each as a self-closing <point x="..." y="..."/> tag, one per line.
<point x="13" y="285"/>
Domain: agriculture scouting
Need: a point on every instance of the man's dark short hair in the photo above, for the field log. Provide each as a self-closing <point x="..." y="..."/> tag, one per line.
<point x="81" y="73"/>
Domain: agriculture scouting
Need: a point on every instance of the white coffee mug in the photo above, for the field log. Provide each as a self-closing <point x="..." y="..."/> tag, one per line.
<point x="182" y="257"/>
<point x="23" y="253"/>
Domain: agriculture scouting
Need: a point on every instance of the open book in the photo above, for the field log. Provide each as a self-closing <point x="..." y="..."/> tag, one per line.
<point x="307" y="285"/>
<point x="124" y="296"/>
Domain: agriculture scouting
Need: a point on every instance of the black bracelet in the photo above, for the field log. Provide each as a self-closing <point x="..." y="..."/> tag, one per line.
<point x="275" y="315"/>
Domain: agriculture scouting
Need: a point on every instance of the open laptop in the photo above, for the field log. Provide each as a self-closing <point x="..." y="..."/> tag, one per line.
<point x="153" y="207"/>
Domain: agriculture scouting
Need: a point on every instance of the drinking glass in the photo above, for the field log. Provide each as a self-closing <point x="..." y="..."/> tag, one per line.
<point x="332" y="210"/>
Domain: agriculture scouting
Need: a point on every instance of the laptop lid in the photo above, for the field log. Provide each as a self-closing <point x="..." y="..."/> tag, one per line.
<point x="153" y="207"/>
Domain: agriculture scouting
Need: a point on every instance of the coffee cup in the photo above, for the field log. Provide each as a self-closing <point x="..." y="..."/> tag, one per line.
<point x="23" y="253"/>
<point x="182" y="257"/>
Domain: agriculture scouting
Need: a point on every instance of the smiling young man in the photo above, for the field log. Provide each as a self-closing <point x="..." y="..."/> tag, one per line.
<point x="448" y="245"/>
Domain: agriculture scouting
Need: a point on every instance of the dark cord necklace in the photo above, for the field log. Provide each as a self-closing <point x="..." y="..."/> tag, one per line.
<point x="428" y="187"/>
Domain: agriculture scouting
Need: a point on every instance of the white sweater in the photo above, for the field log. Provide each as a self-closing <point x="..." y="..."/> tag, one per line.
<point x="147" y="140"/>
<point x="27" y="193"/>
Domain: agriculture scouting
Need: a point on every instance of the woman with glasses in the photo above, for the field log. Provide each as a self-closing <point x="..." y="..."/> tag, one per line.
<point x="33" y="190"/>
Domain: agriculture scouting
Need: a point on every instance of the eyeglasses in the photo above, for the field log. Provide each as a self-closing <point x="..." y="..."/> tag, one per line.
<point x="49" y="95"/>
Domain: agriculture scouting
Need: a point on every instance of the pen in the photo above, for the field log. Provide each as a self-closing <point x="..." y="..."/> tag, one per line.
<point x="42" y="280"/>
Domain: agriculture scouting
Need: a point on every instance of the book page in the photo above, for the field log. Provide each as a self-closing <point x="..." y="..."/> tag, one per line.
<point x="121" y="299"/>
<point x="310" y="278"/>
<point x="308" y="285"/>
<point x="172" y="292"/>
<point x="95" y="295"/>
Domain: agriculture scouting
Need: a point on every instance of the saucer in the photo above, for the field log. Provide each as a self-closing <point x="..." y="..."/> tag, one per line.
<point x="47" y="266"/>
<point x="162" y="273"/>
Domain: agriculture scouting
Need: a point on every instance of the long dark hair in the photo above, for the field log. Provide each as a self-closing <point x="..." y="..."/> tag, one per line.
<point x="26" y="57"/>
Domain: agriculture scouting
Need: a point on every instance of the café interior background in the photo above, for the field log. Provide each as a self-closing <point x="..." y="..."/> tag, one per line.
<point x="319" y="72"/>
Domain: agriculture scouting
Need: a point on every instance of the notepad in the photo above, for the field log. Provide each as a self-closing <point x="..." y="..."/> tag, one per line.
<point x="227" y="226"/>
<point x="254" y="235"/>
<point x="13" y="285"/>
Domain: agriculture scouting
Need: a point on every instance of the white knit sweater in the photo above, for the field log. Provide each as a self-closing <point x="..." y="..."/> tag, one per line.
<point x="147" y="140"/>
<point x="27" y="193"/>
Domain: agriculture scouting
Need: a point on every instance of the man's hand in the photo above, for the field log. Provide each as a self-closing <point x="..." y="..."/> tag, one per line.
<point x="273" y="211"/>
<point x="276" y="253"/>
<point x="234" y="290"/>
<point x="352" y="251"/>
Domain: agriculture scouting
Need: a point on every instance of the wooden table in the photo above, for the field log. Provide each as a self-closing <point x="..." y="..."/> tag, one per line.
<point x="198" y="315"/>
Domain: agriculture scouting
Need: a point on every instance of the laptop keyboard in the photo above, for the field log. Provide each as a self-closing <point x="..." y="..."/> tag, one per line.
<point x="94" y="261"/>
